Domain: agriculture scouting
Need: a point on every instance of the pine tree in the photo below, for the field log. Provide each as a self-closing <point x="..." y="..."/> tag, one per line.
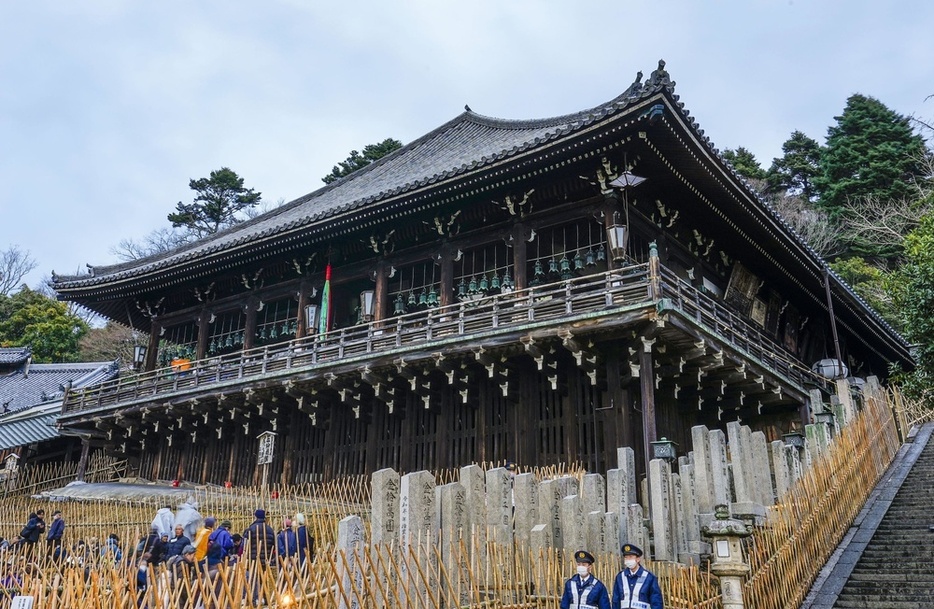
<point x="745" y="163"/>
<point x="794" y="172"/>
<point x="371" y="152"/>
<point x="871" y="151"/>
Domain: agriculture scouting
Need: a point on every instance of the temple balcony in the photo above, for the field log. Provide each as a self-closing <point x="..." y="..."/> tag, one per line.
<point x="639" y="305"/>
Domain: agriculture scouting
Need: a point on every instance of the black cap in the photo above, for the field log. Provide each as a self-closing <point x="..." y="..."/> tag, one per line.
<point x="584" y="556"/>
<point x="628" y="548"/>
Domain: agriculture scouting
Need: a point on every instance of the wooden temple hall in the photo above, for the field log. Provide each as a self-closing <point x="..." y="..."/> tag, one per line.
<point x="538" y="291"/>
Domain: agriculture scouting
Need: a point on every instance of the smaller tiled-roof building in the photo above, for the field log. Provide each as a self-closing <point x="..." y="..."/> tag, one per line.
<point x="31" y="399"/>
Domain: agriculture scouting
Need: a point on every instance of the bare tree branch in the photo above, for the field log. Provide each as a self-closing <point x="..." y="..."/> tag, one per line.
<point x="156" y="242"/>
<point x="812" y="225"/>
<point x="14" y="265"/>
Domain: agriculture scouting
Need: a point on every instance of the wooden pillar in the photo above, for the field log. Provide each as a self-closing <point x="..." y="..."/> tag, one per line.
<point x="647" y="386"/>
<point x="520" y="235"/>
<point x="83" y="460"/>
<point x="204" y="329"/>
<point x="152" y="352"/>
<point x="381" y="296"/>
<point x="303" y="299"/>
<point x="447" y="276"/>
<point x="249" y="330"/>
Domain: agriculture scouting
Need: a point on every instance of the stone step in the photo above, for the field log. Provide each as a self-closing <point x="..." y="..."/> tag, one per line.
<point x="871" y="576"/>
<point x="857" y="604"/>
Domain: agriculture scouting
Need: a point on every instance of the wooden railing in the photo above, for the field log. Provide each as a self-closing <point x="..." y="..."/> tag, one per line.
<point x="601" y="294"/>
<point x="732" y="328"/>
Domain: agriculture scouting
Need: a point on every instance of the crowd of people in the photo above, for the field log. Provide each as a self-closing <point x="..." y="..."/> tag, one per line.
<point x="185" y="543"/>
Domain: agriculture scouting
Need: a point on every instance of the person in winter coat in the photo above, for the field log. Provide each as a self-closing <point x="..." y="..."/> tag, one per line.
<point x="306" y="543"/>
<point x="155" y="547"/>
<point x="635" y="586"/>
<point x="260" y="539"/>
<point x="164" y="521"/>
<point x="286" y="541"/>
<point x="201" y="539"/>
<point x="54" y="538"/>
<point x="34" y="528"/>
<point x="220" y="545"/>
<point x="189" y="517"/>
<point x="176" y="543"/>
<point x="584" y="590"/>
<point x="111" y="549"/>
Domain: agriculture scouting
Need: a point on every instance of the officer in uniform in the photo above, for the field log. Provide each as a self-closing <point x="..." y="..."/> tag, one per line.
<point x="584" y="591"/>
<point x="635" y="587"/>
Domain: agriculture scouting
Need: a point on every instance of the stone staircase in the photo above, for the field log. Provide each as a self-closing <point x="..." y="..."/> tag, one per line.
<point x="896" y="567"/>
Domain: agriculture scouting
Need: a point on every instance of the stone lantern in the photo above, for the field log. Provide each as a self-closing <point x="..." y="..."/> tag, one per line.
<point x="727" y="562"/>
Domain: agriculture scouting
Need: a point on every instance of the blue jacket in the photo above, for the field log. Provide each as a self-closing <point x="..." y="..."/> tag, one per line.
<point x="287" y="543"/>
<point x="650" y="594"/>
<point x="56" y="530"/>
<point x="260" y="540"/>
<point x="306" y="544"/>
<point x="220" y="544"/>
<point x="584" y="595"/>
<point x="174" y="546"/>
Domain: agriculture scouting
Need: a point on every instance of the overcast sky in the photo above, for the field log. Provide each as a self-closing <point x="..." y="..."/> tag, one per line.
<point x="108" y="108"/>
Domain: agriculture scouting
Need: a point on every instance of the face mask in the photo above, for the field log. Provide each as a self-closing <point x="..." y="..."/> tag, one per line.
<point x="630" y="563"/>
<point x="582" y="570"/>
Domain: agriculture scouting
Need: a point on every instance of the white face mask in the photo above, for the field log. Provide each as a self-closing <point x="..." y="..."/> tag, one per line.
<point x="583" y="570"/>
<point x="630" y="563"/>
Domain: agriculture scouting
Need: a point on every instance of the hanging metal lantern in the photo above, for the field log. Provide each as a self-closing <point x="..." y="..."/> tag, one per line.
<point x="433" y="297"/>
<point x="495" y="283"/>
<point x="590" y="258"/>
<point x="462" y="289"/>
<point x="262" y="334"/>
<point x="578" y="261"/>
<point x="601" y="254"/>
<point x="484" y="283"/>
<point x="423" y="299"/>
<point x="508" y="284"/>
<point x="398" y="307"/>
<point x="538" y="274"/>
<point x="229" y="341"/>
<point x="565" y="267"/>
<point x="553" y="267"/>
<point x="273" y="334"/>
<point x="213" y="346"/>
<point x="472" y="289"/>
<point x="412" y="300"/>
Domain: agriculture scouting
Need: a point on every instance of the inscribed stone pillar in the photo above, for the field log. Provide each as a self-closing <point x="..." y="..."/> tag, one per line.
<point x="695" y="546"/>
<point x="594" y="531"/>
<point x="636" y="526"/>
<point x="593" y="493"/>
<point x="572" y="522"/>
<point x="846" y="399"/>
<point x="541" y="540"/>
<point x="384" y="507"/>
<point x="350" y="543"/>
<point x="747" y="502"/>
<point x="621" y="489"/>
<point x="781" y="467"/>
<point x="679" y="539"/>
<point x="718" y="468"/>
<point x="499" y="505"/>
<point x="762" y="473"/>
<point x="659" y="474"/>
<point x="611" y="529"/>
<point x="551" y="492"/>
<point x="816" y="441"/>
<point x="453" y="520"/>
<point x="416" y="517"/>
<point x="703" y="475"/>
<point x="526" y="494"/>
<point x="473" y="480"/>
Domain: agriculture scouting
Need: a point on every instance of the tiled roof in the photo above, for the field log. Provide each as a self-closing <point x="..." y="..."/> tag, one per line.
<point x="37" y="383"/>
<point x="24" y="430"/>
<point x="13" y="356"/>
<point x="461" y="145"/>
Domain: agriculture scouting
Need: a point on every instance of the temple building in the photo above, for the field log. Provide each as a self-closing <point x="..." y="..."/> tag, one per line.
<point x="538" y="291"/>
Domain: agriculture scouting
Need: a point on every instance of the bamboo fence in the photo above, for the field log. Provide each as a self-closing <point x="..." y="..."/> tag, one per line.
<point x="31" y="479"/>
<point x="785" y="554"/>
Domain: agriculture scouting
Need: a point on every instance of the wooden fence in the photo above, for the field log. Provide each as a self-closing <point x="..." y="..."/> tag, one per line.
<point x="32" y="479"/>
<point x="785" y="554"/>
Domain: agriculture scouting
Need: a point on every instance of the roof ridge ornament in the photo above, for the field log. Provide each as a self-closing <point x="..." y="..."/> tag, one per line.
<point x="659" y="77"/>
<point x="635" y="89"/>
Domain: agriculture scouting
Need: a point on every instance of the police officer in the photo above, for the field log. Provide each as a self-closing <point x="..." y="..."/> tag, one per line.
<point x="635" y="587"/>
<point x="584" y="591"/>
